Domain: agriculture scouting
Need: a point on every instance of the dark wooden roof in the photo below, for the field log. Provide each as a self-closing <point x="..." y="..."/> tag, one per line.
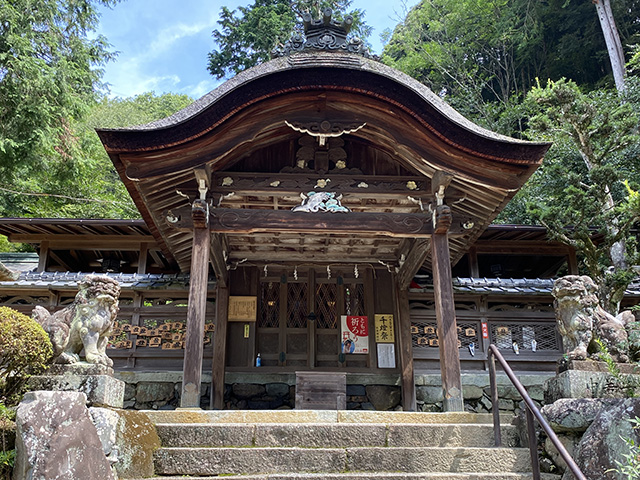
<point x="239" y="128"/>
<point x="82" y="244"/>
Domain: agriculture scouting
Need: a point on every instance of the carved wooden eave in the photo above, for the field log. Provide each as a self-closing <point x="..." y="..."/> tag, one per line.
<point x="245" y="121"/>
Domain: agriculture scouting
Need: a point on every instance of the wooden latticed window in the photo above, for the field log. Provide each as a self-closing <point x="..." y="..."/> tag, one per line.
<point x="297" y="305"/>
<point x="326" y="305"/>
<point x="354" y="299"/>
<point x="270" y="305"/>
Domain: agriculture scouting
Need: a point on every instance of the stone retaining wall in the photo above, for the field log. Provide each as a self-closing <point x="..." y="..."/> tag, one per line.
<point x="161" y="391"/>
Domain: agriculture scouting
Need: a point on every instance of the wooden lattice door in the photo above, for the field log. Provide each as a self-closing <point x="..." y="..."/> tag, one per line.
<point x="299" y="320"/>
<point x="283" y="334"/>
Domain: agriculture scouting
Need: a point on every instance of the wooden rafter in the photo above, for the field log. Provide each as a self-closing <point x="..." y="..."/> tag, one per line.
<point x="414" y="258"/>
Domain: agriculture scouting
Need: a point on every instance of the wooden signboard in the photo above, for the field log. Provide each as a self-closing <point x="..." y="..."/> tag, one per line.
<point x="243" y="309"/>
<point x="384" y="329"/>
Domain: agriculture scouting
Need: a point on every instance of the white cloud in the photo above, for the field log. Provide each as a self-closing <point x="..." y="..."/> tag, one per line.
<point x="202" y="88"/>
<point x="166" y="38"/>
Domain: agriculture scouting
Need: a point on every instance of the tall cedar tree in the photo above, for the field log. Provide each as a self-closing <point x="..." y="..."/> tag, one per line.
<point x="49" y="68"/>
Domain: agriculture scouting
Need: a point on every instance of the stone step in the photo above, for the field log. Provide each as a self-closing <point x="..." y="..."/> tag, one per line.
<point x="371" y="476"/>
<point x="258" y="460"/>
<point x="317" y="416"/>
<point x="318" y="435"/>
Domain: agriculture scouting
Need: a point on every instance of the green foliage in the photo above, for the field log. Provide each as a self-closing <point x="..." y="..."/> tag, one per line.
<point x="633" y="200"/>
<point x="247" y="39"/>
<point x="482" y="57"/>
<point x="630" y="468"/>
<point x="465" y="50"/>
<point x="7" y="453"/>
<point x="579" y="192"/>
<point x="97" y="191"/>
<point x="25" y="349"/>
<point x="49" y="67"/>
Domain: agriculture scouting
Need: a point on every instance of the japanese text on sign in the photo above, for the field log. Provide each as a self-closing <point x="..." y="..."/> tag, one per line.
<point x="355" y="334"/>
<point x="384" y="329"/>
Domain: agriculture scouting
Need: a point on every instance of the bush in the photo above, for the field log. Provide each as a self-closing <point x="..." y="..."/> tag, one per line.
<point x="7" y="441"/>
<point x="25" y="349"/>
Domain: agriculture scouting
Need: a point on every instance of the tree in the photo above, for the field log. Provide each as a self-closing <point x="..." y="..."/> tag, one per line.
<point x="612" y="39"/>
<point x="583" y="200"/>
<point x="85" y="184"/>
<point x="483" y="57"/>
<point x="49" y="68"/>
<point x="248" y="39"/>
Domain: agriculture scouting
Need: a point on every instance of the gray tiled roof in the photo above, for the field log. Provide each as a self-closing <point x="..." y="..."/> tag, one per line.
<point x="148" y="281"/>
<point x="517" y="286"/>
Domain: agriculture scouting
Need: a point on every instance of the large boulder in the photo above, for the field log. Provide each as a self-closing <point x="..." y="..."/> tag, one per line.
<point x="383" y="397"/>
<point x="56" y="439"/>
<point x="575" y="414"/>
<point x="603" y="444"/>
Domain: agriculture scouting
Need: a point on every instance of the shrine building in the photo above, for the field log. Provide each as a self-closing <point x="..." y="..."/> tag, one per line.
<point x="321" y="213"/>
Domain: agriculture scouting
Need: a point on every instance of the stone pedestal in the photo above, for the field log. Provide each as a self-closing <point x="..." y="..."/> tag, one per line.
<point x="95" y="381"/>
<point x="589" y="379"/>
<point x="55" y="438"/>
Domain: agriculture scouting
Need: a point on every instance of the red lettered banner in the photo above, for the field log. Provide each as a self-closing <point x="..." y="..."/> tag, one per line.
<point x="355" y="334"/>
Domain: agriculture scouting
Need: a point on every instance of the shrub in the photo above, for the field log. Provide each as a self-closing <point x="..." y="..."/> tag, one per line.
<point x="7" y="441"/>
<point x="25" y="349"/>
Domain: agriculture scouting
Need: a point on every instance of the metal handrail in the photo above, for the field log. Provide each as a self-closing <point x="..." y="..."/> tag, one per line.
<point x="532" y="411"/>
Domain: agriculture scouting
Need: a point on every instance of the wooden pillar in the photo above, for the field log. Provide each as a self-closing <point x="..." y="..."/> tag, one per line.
<point x="474" y="267"/>
<point x="405" y="348"/>
<point x="196" y="311"/>
<point x="142" y="258"/>
<point x="43" y="256"/>
<point x="447" y="328"/>
<point x="219" y="348"/>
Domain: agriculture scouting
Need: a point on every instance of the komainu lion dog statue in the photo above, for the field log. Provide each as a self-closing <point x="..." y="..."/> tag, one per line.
<point x="85" y="324"/>
<point x="581" y="319"/>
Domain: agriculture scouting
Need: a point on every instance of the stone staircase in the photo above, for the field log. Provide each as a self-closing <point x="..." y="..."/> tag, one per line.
<point x="335" y="445"/>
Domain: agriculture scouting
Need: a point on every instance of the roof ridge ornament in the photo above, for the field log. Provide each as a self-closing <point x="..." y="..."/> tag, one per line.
<point x="324" y="34"/>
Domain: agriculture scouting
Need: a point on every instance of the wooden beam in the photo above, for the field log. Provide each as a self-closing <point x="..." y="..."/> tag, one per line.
<point x="521" y="247"/>
<point x="142" y="258"/>
<point x="157" y="258"/>
<point x="218" y="261"/>
<point x="362" y="186"/>
<point x="43" y="256"/>
<point x="54" y="256"/>
<point x="219" y="348"/>
<point x="288" y="257"/>
<point x="196" y="312"/>
<point x="245" y="221"/>
<point x="405" y="348"/>
<point x="440" y="179"/>
<point x="447" y="328"/>
<point x="474" y="268"/>
<point x="83" y="240"/>
<point x="415" y="257"/>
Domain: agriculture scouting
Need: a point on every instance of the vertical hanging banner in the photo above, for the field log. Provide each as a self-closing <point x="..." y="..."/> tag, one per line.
<point x="355" y="334"/>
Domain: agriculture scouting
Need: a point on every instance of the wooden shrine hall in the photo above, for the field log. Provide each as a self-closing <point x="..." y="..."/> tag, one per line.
<point x="315" y="186"/>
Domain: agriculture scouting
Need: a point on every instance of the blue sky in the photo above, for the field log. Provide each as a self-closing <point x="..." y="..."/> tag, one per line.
<point x="163" y="44"/>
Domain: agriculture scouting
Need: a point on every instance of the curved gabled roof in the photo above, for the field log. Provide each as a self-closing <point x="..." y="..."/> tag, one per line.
<point x="404" y="120"/>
